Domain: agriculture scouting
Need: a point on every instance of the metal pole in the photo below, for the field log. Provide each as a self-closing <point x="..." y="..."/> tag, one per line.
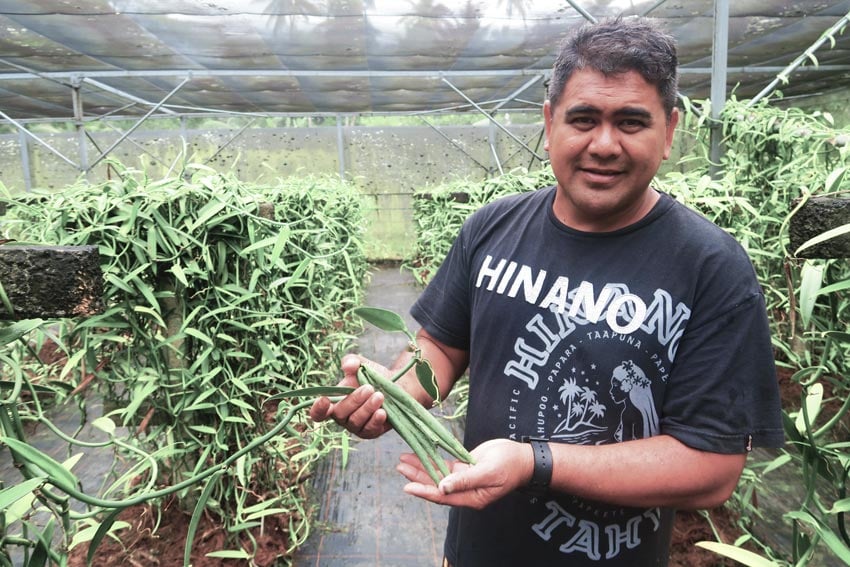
<point x="230" y="141"/>
<point x="139" y="123"/>
<point x="808" y="54"/>
<point x="454" y="143"/>
<point x="340" y="147"/>
<point x="719" y="57"/>
<point x="25" y="160"/>
<point x="123" y="94"/>
<point x="21" y="127"/>
<point x="79" y="125"/>
<point x="582" y="11"/>
<point x="492" y="137"/>
<point x="653" y="7"/>
<point x="491" y="119"/>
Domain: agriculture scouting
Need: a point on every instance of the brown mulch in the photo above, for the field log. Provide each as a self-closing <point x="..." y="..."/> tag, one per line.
<point x="153" y="541"/>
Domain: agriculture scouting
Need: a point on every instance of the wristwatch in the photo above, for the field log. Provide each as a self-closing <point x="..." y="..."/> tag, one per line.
<point x="542" y="474"/>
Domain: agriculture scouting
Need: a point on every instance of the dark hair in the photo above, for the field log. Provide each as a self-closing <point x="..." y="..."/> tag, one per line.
<point x="615" y="46"/>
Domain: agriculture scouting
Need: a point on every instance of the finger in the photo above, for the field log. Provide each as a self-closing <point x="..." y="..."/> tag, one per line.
<point x="429" y="492"/>
<point x="357" y="407"/>
<point x="411" y="468"/>
<point x="349" y="364"/>
<point x="377" y="425"/>
<point x="343" y="409"/>
<point x="361" y="413"/>
<point x="321" y="409"/>
<point x="461" y="479"/>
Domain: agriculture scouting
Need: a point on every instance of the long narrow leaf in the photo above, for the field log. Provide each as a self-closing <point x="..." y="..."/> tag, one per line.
<point x="812" y="278"/>
<point x="9" y="496"/>
<point x="828" y="235"/>
<point x="18" y="329"/>
<point x="742" y="556"/>
<point x="315" y="391"/>
<point x="102" y="530"/>
<point x="196" y="516"/>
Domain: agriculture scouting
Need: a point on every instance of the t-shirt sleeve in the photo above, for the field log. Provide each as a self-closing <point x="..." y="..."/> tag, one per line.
<point x="723" y="394"/>
<point x="443" y="308"/>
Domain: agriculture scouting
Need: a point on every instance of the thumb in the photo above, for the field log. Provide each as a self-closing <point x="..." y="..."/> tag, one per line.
<point x="455" y="482"/>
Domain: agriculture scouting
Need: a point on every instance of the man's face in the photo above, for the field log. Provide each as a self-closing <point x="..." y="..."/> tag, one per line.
<point x="606" y="139"/>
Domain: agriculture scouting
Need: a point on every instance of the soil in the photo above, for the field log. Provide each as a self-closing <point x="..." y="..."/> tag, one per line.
<point x="158" y="541"/>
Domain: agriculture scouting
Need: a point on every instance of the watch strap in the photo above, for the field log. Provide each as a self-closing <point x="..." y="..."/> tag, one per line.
<point x="541" y="476"/>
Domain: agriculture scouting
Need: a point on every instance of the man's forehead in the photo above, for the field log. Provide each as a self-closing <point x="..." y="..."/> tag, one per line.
<point x="629" y="89"/>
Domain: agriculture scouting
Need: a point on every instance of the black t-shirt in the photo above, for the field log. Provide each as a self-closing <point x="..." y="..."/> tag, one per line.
<point x="594" y="338"/>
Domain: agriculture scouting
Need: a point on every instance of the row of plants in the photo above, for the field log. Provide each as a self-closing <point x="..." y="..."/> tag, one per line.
<point x="775" y="160"/>
<point x="219" y="297"/>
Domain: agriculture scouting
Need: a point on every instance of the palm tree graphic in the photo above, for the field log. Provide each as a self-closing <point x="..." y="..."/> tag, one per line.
<point x="582" y="407"/>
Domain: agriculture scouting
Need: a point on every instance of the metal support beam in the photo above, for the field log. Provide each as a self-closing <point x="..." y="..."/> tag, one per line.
<point x="491" y="119"/>
<point x="653" y="7"/>
<point x="122" y="94"/>
<point x="23" y="144"/>
<point x="340" y="146"/>
<point x="585" y="14"/>
<point x="79" y="125"/>
<point x="454" y="143"/>
<point x="491" y="135"/>
<point x="531" y="82"/>
<point x="139" y="122"/>
<point x="21" y="127"/>
<point x="230" y="141"/>
<point x="719" y="56"/>
<point x="806" y="55"/>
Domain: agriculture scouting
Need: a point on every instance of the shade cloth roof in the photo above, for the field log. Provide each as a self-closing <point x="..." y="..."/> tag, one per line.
<point x="364" y="56"/>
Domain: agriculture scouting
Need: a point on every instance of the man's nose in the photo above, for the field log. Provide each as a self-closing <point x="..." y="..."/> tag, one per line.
<point x="605" y="142"/>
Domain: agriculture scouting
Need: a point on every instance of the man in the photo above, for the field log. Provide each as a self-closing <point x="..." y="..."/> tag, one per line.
<point x="617" y="343"/>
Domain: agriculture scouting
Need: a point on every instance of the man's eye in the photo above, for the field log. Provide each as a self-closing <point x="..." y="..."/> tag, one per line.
<point x="632" y="125"/>
<point x="582" y="122"/>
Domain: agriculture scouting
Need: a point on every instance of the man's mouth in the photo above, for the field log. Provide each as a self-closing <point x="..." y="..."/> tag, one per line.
<point x="601" y="174"/>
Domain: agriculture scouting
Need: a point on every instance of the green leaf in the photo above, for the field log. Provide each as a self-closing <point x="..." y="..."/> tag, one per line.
<point x="192" y="332"/>
<point x="206" y="213"/>
<point x="9" y="496"/>
<point x="742" y="556"/>
<point x="828" y="235"/>
<point x="384" y="319"/>
<point x="315" y="391"/>
<point x="832" y="541"/>
<point x="834" y="180"/>
<point x="90" y="534"/>
<point x="9" y="385"/>
<point x="832" y="288"/>
<point x="196" y="515"/>
<point x="108" y="526"/>
<point x="18" y="329"/>
<point x="835" y="335"/>
<point x="264" y="243"/>
<point x="812" y="278"/>
<point x="230" y="554"/>
<point x="814" y="401"/>
<point x="105" y="424"/>
<point x="425" y="374"/>
<point x="58" y="475"/>
<point x="178" y="272"/>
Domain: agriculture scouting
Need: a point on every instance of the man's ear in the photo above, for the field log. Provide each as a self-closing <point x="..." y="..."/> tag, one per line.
<point x="547" y="122"/>
<point x="672" y="121"/>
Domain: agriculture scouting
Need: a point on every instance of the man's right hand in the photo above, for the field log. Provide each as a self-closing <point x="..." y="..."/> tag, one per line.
<point x="361" y="411"/>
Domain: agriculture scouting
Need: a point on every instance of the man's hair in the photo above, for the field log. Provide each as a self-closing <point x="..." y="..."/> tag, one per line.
<point x="616" y="46"/>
